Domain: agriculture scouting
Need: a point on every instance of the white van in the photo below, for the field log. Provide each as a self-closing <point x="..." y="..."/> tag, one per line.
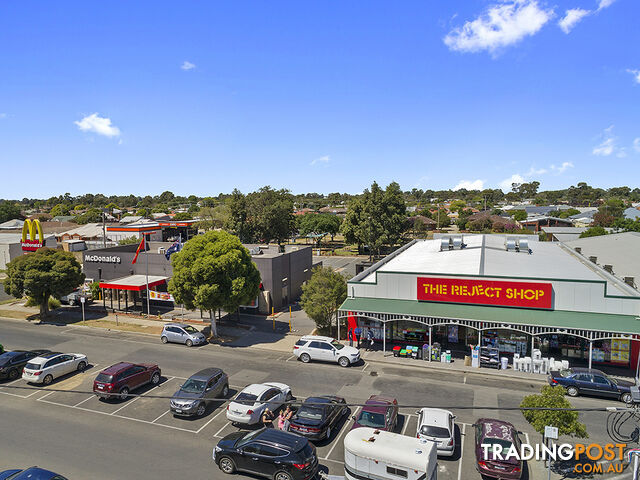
<point x="370" y="453"/>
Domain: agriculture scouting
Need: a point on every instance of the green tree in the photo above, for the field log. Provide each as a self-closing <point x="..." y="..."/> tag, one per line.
<point x="317" y="223"/>
<point x="41" y="274"/>
<point x="214" y="271"/>
<point x="519" y="215"/>
<point x="214" y="217"/>
<point x="552" y="397"/>
<point x="59" y="209"/>
<point x="182" y="216"/>
<point x="93" y="215"/>
<point x="322" y="295"/>
<point x="271" y="214"/>
<point x="238" y="221"/>
<point x="9" y="211"/>
<point x="457" y="205"/>
<point x="129" y="240"/>
<point x="593" y="232"/>
<point x="613" y="207"/>
<point x="143" y="212"/>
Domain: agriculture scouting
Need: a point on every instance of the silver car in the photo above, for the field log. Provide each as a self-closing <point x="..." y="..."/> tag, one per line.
<point x="191" y="398"/>
<point x="182" y="333"/>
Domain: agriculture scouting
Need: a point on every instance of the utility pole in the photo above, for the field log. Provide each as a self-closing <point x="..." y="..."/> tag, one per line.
<point x="438" y="221"/>
<point x="104" y="230"/>
<point x="146" y="256"/>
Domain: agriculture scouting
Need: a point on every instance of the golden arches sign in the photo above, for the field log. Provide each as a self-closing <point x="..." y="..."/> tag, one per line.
<point x="32" y="237"/>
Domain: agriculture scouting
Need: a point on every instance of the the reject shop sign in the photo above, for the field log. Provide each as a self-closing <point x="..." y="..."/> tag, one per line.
<point x="485" y="292"/>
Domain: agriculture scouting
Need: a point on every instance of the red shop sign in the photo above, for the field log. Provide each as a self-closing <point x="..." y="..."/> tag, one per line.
<point x="485" y="292"/>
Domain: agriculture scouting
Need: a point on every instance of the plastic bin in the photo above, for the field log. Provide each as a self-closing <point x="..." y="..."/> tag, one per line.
<point x="504" y="363"/>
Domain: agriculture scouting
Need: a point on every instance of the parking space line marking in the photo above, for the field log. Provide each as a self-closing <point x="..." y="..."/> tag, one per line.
<point x="212" y="419"/>
<point x="406" y="424"/>
<point x="464" y="429"/>
<point x="217" y="434"/>
<point x="337" y="439"/>
<point x="85" y="400"/>
<point x="45" y="396"/>
<point x="290" y="358"/>
<point x="31" y="394"/>
<point x="13" y="394"/>
<point x="365" y="367"/>
<point x="125" y="405"/>
<point x="526" y="435"/>
<point x="160" y="416"/>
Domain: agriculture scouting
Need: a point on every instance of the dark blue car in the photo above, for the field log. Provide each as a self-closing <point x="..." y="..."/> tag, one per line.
<point x="589" y="381"/>
<point x="33" y="473"/>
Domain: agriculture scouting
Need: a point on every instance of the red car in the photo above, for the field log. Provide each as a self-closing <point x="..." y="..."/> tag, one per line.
<point x="378" y="412"/>
<point x="120" y="379"/>
<point x="498" y="437"/>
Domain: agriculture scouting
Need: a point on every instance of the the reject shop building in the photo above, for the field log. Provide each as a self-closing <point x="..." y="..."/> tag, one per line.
<point x="499" y="291"/>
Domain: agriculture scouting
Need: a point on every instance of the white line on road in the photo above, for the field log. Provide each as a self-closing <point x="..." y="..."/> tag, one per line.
<point x="160" y="416"/>
<point x="211" y="420"/>
<point x="464" y="429"/>
<point x="365" y="367"/>
<point x="123" y="406"/>
<point x="337" y="439"/>
<point x="217" y="434"/>
<point x="290" y="358"/>
<point x="406" y="423"/>
<point x="85" y="400"/>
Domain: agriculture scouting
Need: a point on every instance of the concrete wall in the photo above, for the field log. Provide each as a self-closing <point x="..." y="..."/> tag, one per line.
<point x="573" y="296"/>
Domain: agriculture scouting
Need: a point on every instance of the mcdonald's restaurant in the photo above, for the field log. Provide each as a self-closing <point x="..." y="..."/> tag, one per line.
<point x="17" y="240"/>
<point x="511" y="297"/>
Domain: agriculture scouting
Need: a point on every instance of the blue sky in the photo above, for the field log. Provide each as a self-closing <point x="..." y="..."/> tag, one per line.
<point x="201" y="97"/>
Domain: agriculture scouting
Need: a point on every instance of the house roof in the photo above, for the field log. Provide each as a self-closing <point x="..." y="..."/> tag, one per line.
<point x="632" y="213"/>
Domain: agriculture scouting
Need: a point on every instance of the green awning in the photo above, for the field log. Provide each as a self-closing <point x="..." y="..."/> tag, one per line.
<point x="562" y="319"/>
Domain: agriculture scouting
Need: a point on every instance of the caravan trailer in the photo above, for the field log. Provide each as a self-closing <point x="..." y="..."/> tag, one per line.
<point x="370" y="453"/>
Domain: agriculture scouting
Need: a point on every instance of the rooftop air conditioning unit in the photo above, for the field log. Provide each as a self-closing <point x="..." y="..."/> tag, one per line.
<point x="457" y="243"/>
<point x="445" y="243"/>
<point x="523" y="244"/>
<point x="510" y="245"/>
<point x="609" y="269"/>
<point x="630" y="281"/>
<point x="593" y="259"/>
<point x="578" y="249"/>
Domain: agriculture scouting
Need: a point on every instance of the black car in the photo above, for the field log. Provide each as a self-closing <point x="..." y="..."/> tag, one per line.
<point x="197" y="393"/>
<point x="33" y="473"/>
<point x="12" y="363"/>
<point x="269" y="453"/>
<point x="589" y="381"/>
<point x="317" y="416"/>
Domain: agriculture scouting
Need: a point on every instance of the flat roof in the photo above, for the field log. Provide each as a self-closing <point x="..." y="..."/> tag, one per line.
<point x="485" y="255"/>
<point x="133" y="282"/>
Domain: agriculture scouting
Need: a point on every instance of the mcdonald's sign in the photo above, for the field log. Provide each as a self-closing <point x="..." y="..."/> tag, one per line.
<point x="32" y="237"/>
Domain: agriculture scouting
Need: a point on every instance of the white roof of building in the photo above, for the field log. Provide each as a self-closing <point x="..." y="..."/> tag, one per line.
<point x="11" y="224"/>
<point x="90" y="230"/>
<point x="391" y="448"/>
<point x="485" y="255"/>
<point x="13" y="237"/>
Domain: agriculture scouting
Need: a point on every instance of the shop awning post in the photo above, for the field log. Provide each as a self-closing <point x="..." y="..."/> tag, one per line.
<point x="532" y="346"/>
<point x="430" y="343"/>
<point x="146" y="256"/>
<point x="384" y="339"/>
<point x="590" y="351"/>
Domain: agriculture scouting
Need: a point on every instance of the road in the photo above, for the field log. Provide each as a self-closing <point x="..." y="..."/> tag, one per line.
<point x="84" y="438"/>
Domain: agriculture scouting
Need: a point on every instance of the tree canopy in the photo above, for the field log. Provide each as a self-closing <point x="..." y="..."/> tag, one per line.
<point x="42" y="274"/>
<point x="319" y="223"/>
<point x="214" y="271"/>
<point x="322" y="295"/>
<point x="552" y="397"/>
<point x="9" y="211"/>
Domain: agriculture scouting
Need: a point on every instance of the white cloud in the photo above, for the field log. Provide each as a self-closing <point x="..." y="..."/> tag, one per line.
<point x="571" y="19"/>
<point x="186" y="65"/>
<point x="635" y="73"/>
<point x="324" y="160"/>
<point x="608" y="144"/>
<point x="97" y="124"/>
<point x="505" y="185"/>
<point x="469" y="185"/>
<point x="533" y="171"/>
<point x="503" y="24"/>
<point x="636" y="144"/>
<point x="605" y="4"/>
<point x="562" y="168"/>
<point x="621" y="153"/>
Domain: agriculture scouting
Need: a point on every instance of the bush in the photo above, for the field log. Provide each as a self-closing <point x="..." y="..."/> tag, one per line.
<point x="53" y="303"/>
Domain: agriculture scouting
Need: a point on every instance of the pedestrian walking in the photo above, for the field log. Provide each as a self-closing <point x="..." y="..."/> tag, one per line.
<point x="358" y="333"/>
<point x="350" y="335"/>
<point x="369" y="340"/>
<point x="267" y="418"/>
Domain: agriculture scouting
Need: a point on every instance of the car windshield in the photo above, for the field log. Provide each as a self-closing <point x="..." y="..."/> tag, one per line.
<point x="246" y="398"/>
<point x="33" y="366"/>
<point x="566" y="373"/>
<point x="248" y="437"/>
<point x="433" y="431"/>
<point x="370" y="419"/>
<point x="194" y="386"/>
<point x="103" y="377"/>
<point x="310" y="413"/>
<point x="505" y="444"/>
<point x="190" y="329"/>
<point x="337" y="345"/>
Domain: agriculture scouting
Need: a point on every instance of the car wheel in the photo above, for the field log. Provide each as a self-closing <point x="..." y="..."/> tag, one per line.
<point x="47" y="379"/>
<point x="328" y="434"/>
<point x="572" y="391"/>
<point x="124" y="394"/>
<point x="155" y="379"/>
<point x="202" y="409"/>
<point x="13" y="374"/>
<point x="164" y="339"/>
<point x="81" y="366"/>
<point x="282" y="476"/>
<point x="227" y="465"/>
<point x="189" y="343"/>
<point x="305" y="358"/>
<point x="225" y="390"/>
<point x="626" y="397"/>
<point x="343" y="361"/>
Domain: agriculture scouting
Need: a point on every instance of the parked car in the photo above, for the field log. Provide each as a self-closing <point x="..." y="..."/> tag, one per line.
<point x="438" y="426"/>
<point x="120" y="379"/>
<point x="12" y="363"/>
<point x="73" y="298"/>
<point x="45" y="368"/>
<point x="267" y="452"/>
<point x="191" y="398"/>
<point x="378" y="412"/>
<point x="317" y="416"/>
<point x="589" y="381"/>
<point x="182" y="333"/>
<point x="33" y="473"/>
<point x="248" y="406"/>
<point x="328" y="349"/>
<point x="489" y="431"/>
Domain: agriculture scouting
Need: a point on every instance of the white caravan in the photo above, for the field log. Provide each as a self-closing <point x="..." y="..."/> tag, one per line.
<point x="373" y="454"/>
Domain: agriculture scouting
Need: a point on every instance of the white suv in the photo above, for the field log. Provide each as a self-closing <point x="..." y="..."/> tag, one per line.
<point x="315" y="347"/>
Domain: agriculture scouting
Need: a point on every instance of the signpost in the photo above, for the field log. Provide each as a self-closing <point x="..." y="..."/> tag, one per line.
<point x="83" y="298"/>
<point x="550" y="433"/>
